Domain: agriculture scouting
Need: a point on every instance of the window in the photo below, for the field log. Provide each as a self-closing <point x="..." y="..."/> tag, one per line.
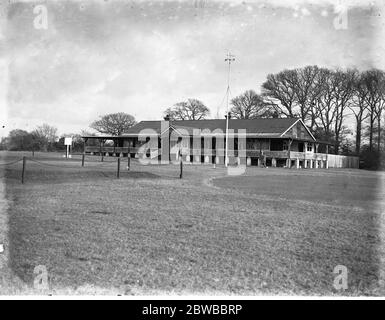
<point x="309" y="147"/>
<point x="285" y="145"/>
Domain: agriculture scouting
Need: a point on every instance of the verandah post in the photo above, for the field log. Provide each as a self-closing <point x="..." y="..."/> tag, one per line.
<point x="101" y="149"/>
<point x="288" y="153"/>
<point x="128" y="159"/>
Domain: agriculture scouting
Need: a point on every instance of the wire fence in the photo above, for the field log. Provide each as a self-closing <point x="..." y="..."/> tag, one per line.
<point x="75" y="168"/>
<point x="11" y="163"/>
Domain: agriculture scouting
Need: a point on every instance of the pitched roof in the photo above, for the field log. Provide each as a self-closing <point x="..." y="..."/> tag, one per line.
<point x="262" y="127"/>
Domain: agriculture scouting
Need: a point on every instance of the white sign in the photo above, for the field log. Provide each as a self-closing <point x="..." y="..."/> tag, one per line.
<point x="68" y="141"/>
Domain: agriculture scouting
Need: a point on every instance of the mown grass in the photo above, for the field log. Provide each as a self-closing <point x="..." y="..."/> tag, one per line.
<point x="272" y="231"/>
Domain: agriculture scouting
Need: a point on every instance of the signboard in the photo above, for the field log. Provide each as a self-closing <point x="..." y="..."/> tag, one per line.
<point x="68" y="144"/>
<point x="67" y="141"/>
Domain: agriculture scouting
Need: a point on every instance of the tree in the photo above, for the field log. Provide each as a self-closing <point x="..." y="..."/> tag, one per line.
<point x="343" y="94"/>
<point x="280" y="88"/>
<point x="4" y="143"/>
<point x="45" y="136"/>
<point x="19" y="140"/>
<point x="295" y="91"/>
<point x="358" y="108"/>
<point x="114" y="123"/>
<point x="192" y="109"/>
<point x="307" y="87"/>
<point x="374" y="80"/>
<point x="324" y="105"/>
<point x="250" y="105"/>
<point x="380" y="107"/>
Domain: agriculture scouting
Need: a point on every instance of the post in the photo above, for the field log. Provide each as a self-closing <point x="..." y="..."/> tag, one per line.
<point x="181" y="165"/>
<point x="23" y="172"/>
<point x="128" y="162"/>
<point x="288" y="153"/>
<point x="118" y="171"/>
<point x="101" y="149"/>
<point x="84" y="151"/>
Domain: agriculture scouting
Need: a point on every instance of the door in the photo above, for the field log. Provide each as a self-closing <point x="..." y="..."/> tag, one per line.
<point x="300" y="147"/>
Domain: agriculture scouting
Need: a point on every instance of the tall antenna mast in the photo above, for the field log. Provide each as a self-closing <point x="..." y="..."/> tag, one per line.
<point x="229" y="59"/>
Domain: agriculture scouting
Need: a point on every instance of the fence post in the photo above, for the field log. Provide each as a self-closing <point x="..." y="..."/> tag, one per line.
<point x="128" y="162"/>
<point x="118" y="171"/>
<point x="83" y="156"/>
<point x="22" y="173"/>
<point x="181" y="165"/>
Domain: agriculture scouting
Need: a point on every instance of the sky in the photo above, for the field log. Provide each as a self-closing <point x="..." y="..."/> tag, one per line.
<point x="141" y="57"/>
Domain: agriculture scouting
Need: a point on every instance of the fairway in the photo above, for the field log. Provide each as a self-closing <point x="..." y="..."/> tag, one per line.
<point x="270" y="231"/>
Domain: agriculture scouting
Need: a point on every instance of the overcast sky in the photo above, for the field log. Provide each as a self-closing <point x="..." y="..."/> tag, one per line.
<point x="140" y="57"/>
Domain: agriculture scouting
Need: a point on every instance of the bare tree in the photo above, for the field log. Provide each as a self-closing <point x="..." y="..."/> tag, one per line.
<point x="192" y="109"/>
<point x="358" y="107"/>
<point x="250" y="105"/>
<point x="378" y="111"/>
<point x="114" y="123"/>
<point x="280" y="90"/>
<point x="374" y="82"/>
<point x="343" y="95"/>
<point x="19" y="140"/>
<point x="45" y="136"/>
<point x="307" y="88"/>
<point x="324" y="103"/>
<point x="295" y="91"/>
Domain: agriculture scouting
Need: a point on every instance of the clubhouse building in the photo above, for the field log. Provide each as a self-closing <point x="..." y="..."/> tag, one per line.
<point x="274" y="142"/>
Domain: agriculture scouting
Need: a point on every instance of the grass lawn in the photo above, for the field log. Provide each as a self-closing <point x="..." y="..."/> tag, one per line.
<point x="270" y="231"/>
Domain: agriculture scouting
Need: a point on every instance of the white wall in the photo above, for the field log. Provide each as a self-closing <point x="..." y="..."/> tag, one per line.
<point x="337" y="161"/>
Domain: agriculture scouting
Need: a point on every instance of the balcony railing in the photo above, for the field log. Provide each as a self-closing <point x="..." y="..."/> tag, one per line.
<point x="214" y="152"/>
<point x="97" y="149"/>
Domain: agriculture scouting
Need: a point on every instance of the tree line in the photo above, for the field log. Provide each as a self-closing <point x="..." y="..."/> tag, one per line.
<point x="329" y="101"/>
<point x="43" y="138"/>
<point x="326" y="100"/>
